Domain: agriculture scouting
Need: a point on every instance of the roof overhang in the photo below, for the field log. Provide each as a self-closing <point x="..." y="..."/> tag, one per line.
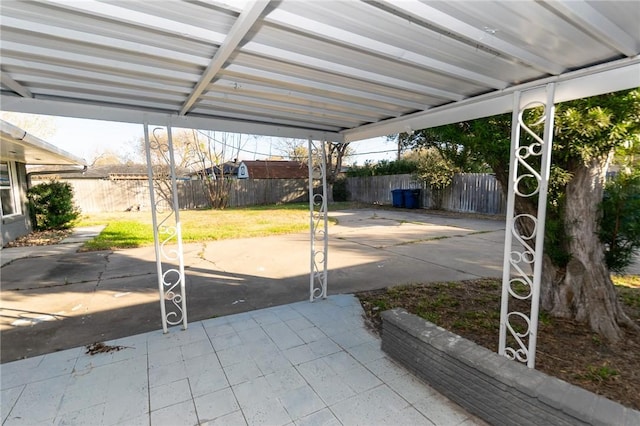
<point x="333" y="70"/>
<point x="18" y="145"/>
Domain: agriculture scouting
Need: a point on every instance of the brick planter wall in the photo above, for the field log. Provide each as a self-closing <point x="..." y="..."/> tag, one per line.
<point x="500" y="391"/>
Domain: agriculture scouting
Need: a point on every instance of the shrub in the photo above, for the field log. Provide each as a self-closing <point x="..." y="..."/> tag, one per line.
<point x="435" y="170"/>
<point x="52" y="205"/>
<point x="340" y="192"/>
<point x="620" y="220"/>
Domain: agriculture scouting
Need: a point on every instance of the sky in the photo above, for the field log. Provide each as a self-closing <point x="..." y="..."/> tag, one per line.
<point x="87" y="138"/>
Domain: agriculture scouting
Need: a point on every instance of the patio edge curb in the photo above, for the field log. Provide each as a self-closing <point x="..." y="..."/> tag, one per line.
<point x="489" y="385"/>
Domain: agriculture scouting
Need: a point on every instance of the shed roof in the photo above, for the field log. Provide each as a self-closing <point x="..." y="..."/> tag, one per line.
<point x="335" y="70"/>
<point x="276" y="169"/>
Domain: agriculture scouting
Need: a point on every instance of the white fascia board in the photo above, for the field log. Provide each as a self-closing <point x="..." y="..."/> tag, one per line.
<point x="611" y="77"/>
<point x="132" y="115"/>
<point x="19" y="137"/>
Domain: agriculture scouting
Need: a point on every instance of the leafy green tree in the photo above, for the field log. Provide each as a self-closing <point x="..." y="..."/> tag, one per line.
<point x="576" y="281"/>
<point x="620" y="229"/>
<point x="340" y="192"/>
<point x="385" y="167"/>
<point x="461" y="156"/>
<point x="435" y="171"/>
<point x="335" y="154"/>
<point x="52" y="206"/>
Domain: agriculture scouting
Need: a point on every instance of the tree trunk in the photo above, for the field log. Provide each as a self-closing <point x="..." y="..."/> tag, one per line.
<point x="583" y="290"/>
<point x="329" y="194"/>
<point x="335" y="153"/>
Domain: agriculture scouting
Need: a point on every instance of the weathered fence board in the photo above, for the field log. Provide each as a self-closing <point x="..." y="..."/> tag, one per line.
<point x="468" y="192"/>
<point x="92" y="195"/>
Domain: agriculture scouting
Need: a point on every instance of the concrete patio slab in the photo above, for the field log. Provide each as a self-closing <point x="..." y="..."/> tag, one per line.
<point x="256" y="352"/>
<point x="302" y="363"/>
<point x="54" y="298"/>
<point x="68" y="245"/>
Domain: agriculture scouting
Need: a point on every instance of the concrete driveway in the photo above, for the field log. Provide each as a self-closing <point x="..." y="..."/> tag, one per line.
<point x="54" y="298"/>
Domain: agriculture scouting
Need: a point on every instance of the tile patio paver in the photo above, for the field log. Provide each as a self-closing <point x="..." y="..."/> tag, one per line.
<point x="298" y="364"/>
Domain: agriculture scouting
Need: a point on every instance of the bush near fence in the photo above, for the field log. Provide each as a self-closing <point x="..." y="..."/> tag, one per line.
<point x="468" y="192"/>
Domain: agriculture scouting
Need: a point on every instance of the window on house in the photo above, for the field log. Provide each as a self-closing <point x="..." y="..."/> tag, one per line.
<point x="9" y="189"/>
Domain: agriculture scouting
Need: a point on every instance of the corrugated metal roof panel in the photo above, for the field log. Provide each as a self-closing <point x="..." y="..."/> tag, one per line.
<point x="324" y="69"/>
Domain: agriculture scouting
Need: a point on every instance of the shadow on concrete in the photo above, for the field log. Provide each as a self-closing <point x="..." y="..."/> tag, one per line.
<point x="62" y="301"/>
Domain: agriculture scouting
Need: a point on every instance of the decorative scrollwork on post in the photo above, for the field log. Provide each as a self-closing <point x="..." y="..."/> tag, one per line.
<point x="318" y="222"/>
<point x="166" y="227"/>
<point x="524" y="236"/>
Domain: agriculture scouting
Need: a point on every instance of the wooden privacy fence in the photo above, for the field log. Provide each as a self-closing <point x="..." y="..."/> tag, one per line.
<point x="94" y="195"/>
<point x="468" y="192"/>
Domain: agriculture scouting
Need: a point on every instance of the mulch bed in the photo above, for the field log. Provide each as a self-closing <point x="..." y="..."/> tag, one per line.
<point x="565" y="349"/>
<point x="40" y="238"/>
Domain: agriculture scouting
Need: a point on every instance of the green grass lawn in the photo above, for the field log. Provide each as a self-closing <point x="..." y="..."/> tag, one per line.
<point x="134" y="229"/>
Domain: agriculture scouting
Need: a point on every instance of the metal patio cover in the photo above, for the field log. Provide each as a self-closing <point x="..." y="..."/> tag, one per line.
<point x="321" y="69"/>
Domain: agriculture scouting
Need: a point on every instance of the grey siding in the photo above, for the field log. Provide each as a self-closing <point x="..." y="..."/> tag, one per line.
<point x="18" y="225"/>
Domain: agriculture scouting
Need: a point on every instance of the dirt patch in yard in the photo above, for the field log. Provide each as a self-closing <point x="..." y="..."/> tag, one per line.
<point x="565" y="349"/>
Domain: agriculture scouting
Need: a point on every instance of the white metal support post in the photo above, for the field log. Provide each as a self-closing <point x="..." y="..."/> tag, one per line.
<point x="167" y="232"/>
<point x="528" y="178"/>
<point x="318" y="221"/>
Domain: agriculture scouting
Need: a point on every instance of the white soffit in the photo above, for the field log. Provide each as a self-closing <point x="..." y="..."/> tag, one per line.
<point x="337" y="70"/>
<point x="18" y="145"/>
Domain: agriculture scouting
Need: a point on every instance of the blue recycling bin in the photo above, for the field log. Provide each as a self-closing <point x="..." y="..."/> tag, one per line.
<point x="397" y="198"/>
<point x="411" y="198"/>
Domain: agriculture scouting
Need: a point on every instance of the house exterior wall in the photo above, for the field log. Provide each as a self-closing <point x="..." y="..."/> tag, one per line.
<point x="272" y="169"/>
<point x="17" y="225"/>
<point x="243" y="172"/>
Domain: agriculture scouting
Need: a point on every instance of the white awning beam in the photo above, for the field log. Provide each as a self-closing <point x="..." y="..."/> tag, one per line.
<point x="136" y="115"/>
<point x="612" y="77"/>
<point x="6" y="80"/>
<point x="239" y="30"/>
